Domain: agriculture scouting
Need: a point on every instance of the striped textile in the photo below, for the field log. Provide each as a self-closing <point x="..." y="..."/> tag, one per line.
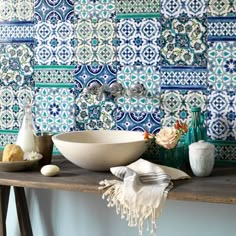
<point x="141" y="191"/>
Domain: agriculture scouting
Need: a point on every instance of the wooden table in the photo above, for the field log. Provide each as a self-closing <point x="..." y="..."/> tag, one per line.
<point x="220" y="187"/>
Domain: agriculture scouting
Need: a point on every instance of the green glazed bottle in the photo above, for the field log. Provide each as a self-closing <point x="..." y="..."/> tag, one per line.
<point x="197" y="130"/>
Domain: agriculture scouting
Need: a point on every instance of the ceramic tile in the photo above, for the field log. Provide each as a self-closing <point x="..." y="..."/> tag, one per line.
<point x="54" y="11"/>
<point x="92" y="114"/>
<point x="221" y="7"/>
<point x="222" y="115"/>
<point x="54" y="109"/>
<point x="225" y="151"/>
<point x="43" y="10"/>
<point x="54" y="74"/>
<point x="184" y="41"/>
<point x="98" y="9"/>
<point x="6" y="137"/>
<point x="11" y="109"/>
<point x="138" y="42"/>
<point x="148" y="76"/>
<point x="176" y="105"/>
<point x="222" y="66"/>
<point x="16" y="10"/>
<point x="174" y="8"/>
<point x="17" y="32"/>
<point x="221" y="28"/>
<point x="54" y="43"/>
<point x="95" y="42"/>
<point x="137" y="6"/>
<point x="138" y="121"/>
<point x="86" y="74"/>
<point x="16" y="64"/>
<point x="138" y="104"/>
<point x="177" y="78"/>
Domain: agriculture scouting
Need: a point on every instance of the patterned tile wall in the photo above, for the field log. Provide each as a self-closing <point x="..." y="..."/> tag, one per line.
<point x="63" y="52"/>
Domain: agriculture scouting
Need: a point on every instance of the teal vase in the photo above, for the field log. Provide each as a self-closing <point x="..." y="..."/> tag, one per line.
<point x="196" y="130"/>
<point x="173" y="157"/>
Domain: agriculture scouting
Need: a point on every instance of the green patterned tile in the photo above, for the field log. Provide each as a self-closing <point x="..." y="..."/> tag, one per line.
<point x="137" y="8"/>
<point x="54" y="109"/>
<point x="87" y="9"/>
<point x="11" y="109"/>
<point x="54" y="75"/>
<point x="92" y="114"/>
<point x="222" y="8"/>
<point x="222" y="66"/>
<point x="184" y="41"/>
<point x="95" y="41"/>
<point x="176" y="105"/>
<point x="16" y="10"/>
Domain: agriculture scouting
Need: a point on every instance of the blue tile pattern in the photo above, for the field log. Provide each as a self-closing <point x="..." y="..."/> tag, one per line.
<point x="182" y="52"/>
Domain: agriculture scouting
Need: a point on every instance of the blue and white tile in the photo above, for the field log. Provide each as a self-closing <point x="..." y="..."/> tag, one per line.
<point x="99" y="9"/>
<point x="54" y="43"/>
<point x="222" y="66"/>
<point x="225" y="151"/>
<point x="53" y="11"/>
<point x="184" y="41"/>
<point x="222" y="28"/>
<point x="148" y="76"/>
<point x="95" y="42"/>
<point x="177" y="104"/>
<point x="138" y="121"/>
<point x="20" y="32"/>
<point x="16" y="64"/>
<point x="174" y="8"/>
<point x="16" y="10"/>
<point x="54" y="109"/>
<point x="125" y="8"/>
<point x="53" y="75"/>
<point x="7" y="136"/>
<point x="221" y="8"/>
<point x="179" y="78"/>
<point x="11" y="109"/>
<point x="222" y="115"/>
<point x="86" y="74"/>
<point x="138" y="42"/>
<point x="92" y="114"/>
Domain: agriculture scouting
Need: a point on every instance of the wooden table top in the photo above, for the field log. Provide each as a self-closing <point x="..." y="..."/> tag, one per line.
<point x="220" y="187"/>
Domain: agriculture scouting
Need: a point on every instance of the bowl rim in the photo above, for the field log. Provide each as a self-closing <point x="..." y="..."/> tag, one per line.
<point x="55" y="137"/>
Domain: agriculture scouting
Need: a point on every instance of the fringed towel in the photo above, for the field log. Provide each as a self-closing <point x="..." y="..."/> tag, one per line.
<point x="141" y="193"/>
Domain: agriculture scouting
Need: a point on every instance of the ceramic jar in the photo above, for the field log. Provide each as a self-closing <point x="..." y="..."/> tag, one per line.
<point x="201" y="158"/>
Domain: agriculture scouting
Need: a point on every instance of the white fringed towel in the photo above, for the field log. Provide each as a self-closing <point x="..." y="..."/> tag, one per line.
<point x="141" y="193"/>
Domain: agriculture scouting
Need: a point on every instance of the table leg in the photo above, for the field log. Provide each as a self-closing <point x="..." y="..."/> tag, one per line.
<point x="22" y="212"/>
<point x="4" y="199"/>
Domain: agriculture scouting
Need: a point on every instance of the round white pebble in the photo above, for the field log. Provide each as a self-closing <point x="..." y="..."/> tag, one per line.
<point x="50" y="170"/>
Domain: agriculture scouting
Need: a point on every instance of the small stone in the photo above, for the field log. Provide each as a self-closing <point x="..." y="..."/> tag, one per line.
<point x="50" y="170"/>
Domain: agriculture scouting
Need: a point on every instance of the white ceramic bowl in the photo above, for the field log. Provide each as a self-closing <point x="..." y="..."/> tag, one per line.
<point x="99" y="150"/>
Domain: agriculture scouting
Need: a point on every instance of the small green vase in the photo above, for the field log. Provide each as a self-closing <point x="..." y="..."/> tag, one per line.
<point x="173" y="157"/>
<point x="196" y="131"/>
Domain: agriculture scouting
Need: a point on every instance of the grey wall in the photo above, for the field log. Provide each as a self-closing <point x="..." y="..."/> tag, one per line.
<point x="60" y="213"/>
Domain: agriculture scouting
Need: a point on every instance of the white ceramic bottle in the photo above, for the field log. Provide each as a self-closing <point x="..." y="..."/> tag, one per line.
<point x="25" y="138"/>
<point x="201" y="158"/>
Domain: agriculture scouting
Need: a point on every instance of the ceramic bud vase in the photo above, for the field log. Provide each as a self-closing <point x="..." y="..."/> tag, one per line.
<point x="201" y="158"/>
<point x="196" y="130"/>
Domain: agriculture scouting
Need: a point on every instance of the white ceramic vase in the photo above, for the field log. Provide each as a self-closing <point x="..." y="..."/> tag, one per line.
<point x="201" y="158"/>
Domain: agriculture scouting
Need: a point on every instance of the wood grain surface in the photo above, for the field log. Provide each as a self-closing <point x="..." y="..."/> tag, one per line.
<point x="220" y="187"/>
